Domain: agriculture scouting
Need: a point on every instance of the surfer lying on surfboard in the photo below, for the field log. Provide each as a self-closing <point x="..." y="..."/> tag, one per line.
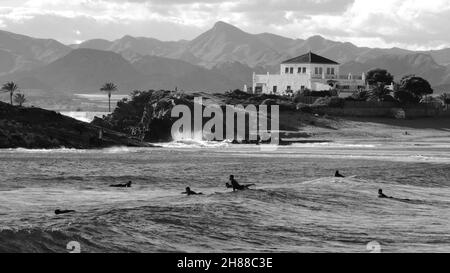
<point x="191" y="192"/>
<point x="127" y="185"/>
<point x="58" y="211"/>
<point x="382" y="195"/>
<point x="236" y="186"/>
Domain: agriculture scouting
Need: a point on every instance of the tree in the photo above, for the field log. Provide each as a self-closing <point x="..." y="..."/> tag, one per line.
<point x="378" y="92"/>
<point x="416" y="86"/>
<point x="405" y="97"/>
<point x="109" y="88"/>
<point x="10" y="87"/>
<point x="378" y="79"/>
<point x="445" y="98"/>
<point x="20" y="99"/>
<point x="378" y="76"/>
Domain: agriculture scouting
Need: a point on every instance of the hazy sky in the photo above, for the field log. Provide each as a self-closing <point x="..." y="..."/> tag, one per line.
<point x="414" y="24"/>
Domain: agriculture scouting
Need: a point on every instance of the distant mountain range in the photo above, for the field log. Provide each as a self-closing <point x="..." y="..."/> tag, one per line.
<point x="221" y="59"/>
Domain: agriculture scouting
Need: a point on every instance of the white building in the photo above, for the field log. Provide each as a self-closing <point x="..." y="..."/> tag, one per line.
<point x="309" y="71"/>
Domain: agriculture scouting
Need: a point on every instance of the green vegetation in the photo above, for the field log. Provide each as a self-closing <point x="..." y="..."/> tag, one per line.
<point x="445" y="98"/>
<point x="36" y="128"/>
<point x="411" y="89"/>
<point x="378" y="80"/>
<point x="379" y="76"/>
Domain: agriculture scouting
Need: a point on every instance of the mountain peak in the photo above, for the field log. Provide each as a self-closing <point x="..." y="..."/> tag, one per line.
<point x="316" y="38"/>
<point x="222" y="26"/>
<point x="128" y="38"/>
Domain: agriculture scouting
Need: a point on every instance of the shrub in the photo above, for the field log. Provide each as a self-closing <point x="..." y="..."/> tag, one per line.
<point x="305" y="108"/>
<point x="358" y="96"/>
<point x="330" y="102"/>
<point x="238" y="94"/>
<point x="388" y="98"/>
<point x="405" y="97"/>
<point x="269" y="102"/>
<point x="321" y="94"/>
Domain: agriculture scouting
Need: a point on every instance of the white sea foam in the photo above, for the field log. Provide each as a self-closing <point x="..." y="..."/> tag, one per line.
<point x="334" y="144"/>
<point x="24" y="150"/>
<point x="84" y="116"/>
<point x="190" y="143"/>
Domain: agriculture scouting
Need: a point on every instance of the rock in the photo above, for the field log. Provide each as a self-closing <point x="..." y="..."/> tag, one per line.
<point x="36" y="128"/>
<point x="147" y="115"/>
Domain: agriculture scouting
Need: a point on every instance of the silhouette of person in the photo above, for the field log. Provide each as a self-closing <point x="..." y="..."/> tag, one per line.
<point x="191" y="192"/>
<point x="127" y="185"/>
<point x="236" y="186"/>
<point x="337" y="174"/>
<point x="382" y="195"/>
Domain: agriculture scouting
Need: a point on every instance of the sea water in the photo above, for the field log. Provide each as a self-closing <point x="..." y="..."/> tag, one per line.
<point x="296" y="206"/>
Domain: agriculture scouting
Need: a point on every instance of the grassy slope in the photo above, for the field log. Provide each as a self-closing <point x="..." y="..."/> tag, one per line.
<point x="38" y="128"/>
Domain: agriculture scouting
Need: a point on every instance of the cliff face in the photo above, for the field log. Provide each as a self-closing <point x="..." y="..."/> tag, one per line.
<point x="36" y="128"/>
<point x="147" y="115"/>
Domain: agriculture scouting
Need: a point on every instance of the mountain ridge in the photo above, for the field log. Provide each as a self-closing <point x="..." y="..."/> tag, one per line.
<point x="224" y="57"/>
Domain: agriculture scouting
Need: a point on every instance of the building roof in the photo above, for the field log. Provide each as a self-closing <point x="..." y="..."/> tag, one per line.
<point x="309" y="58"/>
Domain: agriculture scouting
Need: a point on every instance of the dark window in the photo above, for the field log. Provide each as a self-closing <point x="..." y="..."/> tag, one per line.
<point x="287" y="70"/>
<point x="274" y="89"/>
<point x="304" y="70"/>
<point x="288" y="88"/>
<point x="299" y="70"/>
<point x="292" y="70"/>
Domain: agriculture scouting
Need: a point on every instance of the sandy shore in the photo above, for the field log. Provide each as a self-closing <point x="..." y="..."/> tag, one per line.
<point x="359" y="130"/>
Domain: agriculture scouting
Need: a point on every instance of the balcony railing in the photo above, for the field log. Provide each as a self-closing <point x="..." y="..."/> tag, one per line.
<point x="264" y="77"/>
<point x="346" y="77"/>
<point x="327" y="77"/>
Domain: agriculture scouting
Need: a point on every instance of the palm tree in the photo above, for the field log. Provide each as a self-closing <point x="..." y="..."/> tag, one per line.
<point x="20" y="99"/>
<point x="109" y="88"/>
<point x="10" y="87"/>
<point x="378" y="92"/>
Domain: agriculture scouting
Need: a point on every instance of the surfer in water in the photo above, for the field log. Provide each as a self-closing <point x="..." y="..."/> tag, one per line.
<point x="191" y="192"/>
<point x="127" y="185"/>
<point x="382" y="195"/>
<point x="58" y="212"/>
<point x="337" y="174"/>
<point x="236" y="186"/>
